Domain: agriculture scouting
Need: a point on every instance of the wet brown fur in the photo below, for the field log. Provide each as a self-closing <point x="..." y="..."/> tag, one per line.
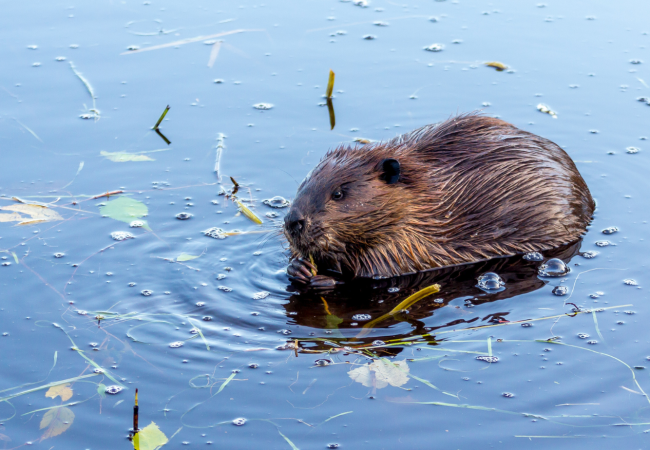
<point x="471" y="188"/>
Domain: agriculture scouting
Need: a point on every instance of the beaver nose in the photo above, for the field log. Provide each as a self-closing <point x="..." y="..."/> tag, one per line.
<point x="294" y="221"/>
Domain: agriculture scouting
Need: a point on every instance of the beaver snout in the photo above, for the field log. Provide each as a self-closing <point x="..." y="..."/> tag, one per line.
<point x="294" y="222"/>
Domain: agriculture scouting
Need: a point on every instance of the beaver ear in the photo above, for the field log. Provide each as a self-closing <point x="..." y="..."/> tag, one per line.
<point x="390" y="171"/>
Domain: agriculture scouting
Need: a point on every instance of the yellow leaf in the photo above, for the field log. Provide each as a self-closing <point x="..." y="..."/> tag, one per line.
<point x="124" y="156"/>
<point x="57" y="421"/>
<point x="149" y="438"/>
<point x="36" y="213"/>
<point x="186" y="257"/>
<point x="61" y="390"/>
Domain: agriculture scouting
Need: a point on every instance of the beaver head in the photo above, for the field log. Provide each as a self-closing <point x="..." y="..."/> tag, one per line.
<point x="468" y="189"/>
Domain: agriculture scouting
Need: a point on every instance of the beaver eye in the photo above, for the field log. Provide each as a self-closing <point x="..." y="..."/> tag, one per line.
<point x="337" y="195"/>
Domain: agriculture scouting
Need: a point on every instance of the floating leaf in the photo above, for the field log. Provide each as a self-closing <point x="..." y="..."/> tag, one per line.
<point x="380" y="374"/>
<point x="186" y="257"/>
<point x="125" y="209"/>
<point x="37" y="214"/>
<point x="62" y="390"/>
<point x="124" y="156"/>
<point x="57" y="421"/>
<point x="497" y="65"/>
<point x="248" y="213"/>
<point x="149" y="438"/>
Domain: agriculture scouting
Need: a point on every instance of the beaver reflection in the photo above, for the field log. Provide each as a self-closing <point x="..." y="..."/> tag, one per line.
<point x="338" y="309"/>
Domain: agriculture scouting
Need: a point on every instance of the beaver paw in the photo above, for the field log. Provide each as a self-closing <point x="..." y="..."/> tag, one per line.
<point x="300" y="272"/>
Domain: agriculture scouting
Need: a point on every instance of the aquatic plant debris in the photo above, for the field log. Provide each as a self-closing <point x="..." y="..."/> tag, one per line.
<point x="221" y="146"/>
<point x="214" y="53"/>
<point x="500" y="67"/>
<point x="37" y="214"/>
<point x="94" y="112"/>
<point x="381" y="373"/>
<point x="126" y="157"/>
<point x="187" y="41"/>
<point x="126" y="209"/>
<point x="57" y="421"/>
<point x="61" y="390"/>
<point x="162" y="116"/>
<point x="546" y="110"/>
<point x="149" y="438"/>
<point x="248" y="213"/>
<point x="330" y="85"/>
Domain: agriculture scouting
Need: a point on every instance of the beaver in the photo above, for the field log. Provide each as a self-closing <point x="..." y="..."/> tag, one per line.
<point x="467" y="189"/>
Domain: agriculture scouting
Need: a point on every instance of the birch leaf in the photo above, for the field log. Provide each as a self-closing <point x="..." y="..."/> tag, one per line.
<point x="57" y="421"/>
<point x="62" y="390"/>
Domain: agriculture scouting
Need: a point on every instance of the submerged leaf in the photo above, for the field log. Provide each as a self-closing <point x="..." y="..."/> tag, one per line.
<point x="62" y="390"/>
<point x="186" y="257"/>
<point x="124" y="156"/>
<point x="125" y="209"/>
<point x="37" y="214"/>
<point x="149" y="438"/>
<point x="57" y="421"/>
<point x="381" y="373"/>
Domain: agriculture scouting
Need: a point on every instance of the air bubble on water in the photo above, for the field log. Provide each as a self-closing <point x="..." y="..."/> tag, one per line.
<point x="206" y="318"/>
<point x="589" y="254"/>
<point x="490" y="281"/>
<point x="214" y="232"/>
<point x="253" y="365"/>
<point x="632" y="150"/>
<point x="533" y="256"/>
<point x="434" y="48"/>
<point x="59" y="255"/>
<point x="255" y="313"/>
<point x="176" y="344"/>
<point x="239" y="421"/>
<point x="219" y="80"/>
<point x="610" y="230"/>
<point x="438" y="300"/>
<point x="81" y="312"/>
<point x="636" y="61"/>
<point x="146" y="292"/>
<point x="583" y="335"/>
<point x="271" y="215"/>
<point x="333" y="445"/>
<point x="136" y="224"/>
<point x="560" y="290"/>
<point x="194" y="331"/>
<point x="596" y="294"/>
<point x="630" y="282"/>
<point x="221" y="276"/>
<point x="261" y="295"/>
<point x="508" y="394"/>
<point x="199" y="304"/>
<point x="488" y="359"/>
<point x="98" y="370"/>
<point x="526" y="324"/>
<point x="132" y="48"/>
<point x="592" y="342"/>
<point x="629" y="312"/>
<point x="60" y="58"/>
<point x="277" y="202"/>
<point x="121" y="235"/>
<point x="113" y="389"/>
<point x="603" y="243"/>
<point x="183" y="216"/>
<point x="378" y="343"/>
<point x="361" y="317"/>
<point x="263" y="106"/>
<point x="224" y="288"/>
<point x="6" y="263"/>
<point x="392" y="290"/>
<point x="554" y="267"/>
<point x="286" y="332"/>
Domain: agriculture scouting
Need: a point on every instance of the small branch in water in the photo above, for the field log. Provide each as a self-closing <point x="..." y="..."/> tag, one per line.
<point x="135" y="413"/>
<point x="330" y="85"/>
<point x="162" y="136"/>
<point x="220" y="147"/>
<point x="162" y="116"/>
<point x="106" y="194"/>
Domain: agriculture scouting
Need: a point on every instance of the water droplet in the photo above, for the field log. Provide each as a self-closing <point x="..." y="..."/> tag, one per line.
<point x="146" y="292"/>
<point x="489" y="359"/>
<point x="216" y="233"/>
<point x="560" y="290"/>
<point x="183" y="216"/>
<point x="533" y="256"/>
<point x="277" y="202"/>
<point x="113" y="389"/>
<point x="490" y="281"/>
<point x="361" y="317"/>
<point x="434" y="48"/>
<point x="263" y="106"/>
<point x="632" y="150"/>
<point x="121" y="235"/>
<point x="553" y="268"/>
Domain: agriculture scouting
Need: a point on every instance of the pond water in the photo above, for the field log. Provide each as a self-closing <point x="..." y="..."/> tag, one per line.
<point x="81" y="312"/>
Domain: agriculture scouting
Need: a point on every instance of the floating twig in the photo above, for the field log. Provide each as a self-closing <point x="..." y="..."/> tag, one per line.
<point x="106" y="194"/>
<point x="162" y="136"/>
<point x="162" y="116"/>
<point x="217" y="162"/>
<point x="186" y="41"/>
<point x="214" y="53"/>
<point x="330" y="85"/>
